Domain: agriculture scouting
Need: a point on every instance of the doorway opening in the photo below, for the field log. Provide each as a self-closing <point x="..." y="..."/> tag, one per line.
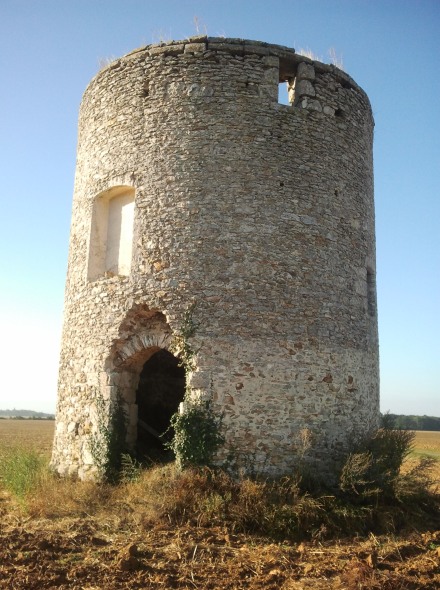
<point x="160" y="391"/>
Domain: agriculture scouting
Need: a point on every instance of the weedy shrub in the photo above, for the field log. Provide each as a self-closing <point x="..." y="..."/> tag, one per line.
<point x="372" y="478"/>
<point x="197" y="435"/>
<point x="372" y="470"/>
<point x="21" y="472"/>
<point x="356" y="479"/>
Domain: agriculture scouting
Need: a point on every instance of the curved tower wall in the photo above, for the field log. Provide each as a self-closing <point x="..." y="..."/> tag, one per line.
<point x="261" y="213"/>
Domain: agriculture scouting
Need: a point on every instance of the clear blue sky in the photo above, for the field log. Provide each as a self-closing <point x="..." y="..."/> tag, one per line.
<point x="49" y="51"/>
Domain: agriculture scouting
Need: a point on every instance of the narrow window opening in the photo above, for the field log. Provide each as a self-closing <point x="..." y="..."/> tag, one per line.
<point x="371" y="292"/>
<point x="286" y="91"/>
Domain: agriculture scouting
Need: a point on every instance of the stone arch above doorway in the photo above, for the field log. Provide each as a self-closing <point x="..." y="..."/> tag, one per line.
<point x="142" y="332"/>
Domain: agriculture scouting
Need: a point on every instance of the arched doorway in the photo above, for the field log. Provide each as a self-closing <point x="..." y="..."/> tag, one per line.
<point x="160" y="390"/>
<point x="148" y="379"/>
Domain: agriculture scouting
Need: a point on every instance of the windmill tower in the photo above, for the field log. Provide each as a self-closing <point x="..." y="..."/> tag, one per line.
<point x="194" y="184"/>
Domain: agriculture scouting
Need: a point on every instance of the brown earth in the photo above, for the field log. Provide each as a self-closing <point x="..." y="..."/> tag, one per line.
<point x="120" y="550"/>
<point x="85" y="553"/>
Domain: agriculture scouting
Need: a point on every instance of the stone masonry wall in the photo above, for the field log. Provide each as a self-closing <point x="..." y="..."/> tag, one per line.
<point x="261" y="213"/>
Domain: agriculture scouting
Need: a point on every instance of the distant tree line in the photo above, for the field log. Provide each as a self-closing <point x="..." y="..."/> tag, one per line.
<point x="27" y="417"/>
<point x="411" y="422"/>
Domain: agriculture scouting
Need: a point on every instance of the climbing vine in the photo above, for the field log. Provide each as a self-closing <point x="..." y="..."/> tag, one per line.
<point x="108" y="443"/>
<point x="180" y="345"/>
<point x="197" y="429"/>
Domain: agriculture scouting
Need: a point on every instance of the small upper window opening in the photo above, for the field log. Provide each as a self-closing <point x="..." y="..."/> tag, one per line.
<point x="283" y="92"/>
<point x="286" y="91"/>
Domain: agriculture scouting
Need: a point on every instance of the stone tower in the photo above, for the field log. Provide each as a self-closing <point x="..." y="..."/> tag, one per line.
<point x="195" y="185"/>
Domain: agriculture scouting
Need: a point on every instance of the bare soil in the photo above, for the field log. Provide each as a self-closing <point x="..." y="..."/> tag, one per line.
<point x="85" y="553"/>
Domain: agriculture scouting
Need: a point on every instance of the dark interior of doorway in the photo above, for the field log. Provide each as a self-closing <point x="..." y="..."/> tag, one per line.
<point x="161" y="389"/>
